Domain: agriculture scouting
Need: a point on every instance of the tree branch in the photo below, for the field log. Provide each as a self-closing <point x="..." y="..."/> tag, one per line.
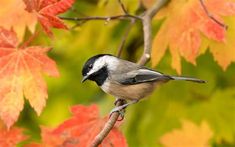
<point x="107" y="127"/>
<point x="84" y="19"/>
<point x="106" y="18"/>
<point x="147" y="28"/>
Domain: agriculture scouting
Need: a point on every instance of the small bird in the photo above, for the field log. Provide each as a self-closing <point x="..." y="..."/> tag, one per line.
<point x="123" y="79"/>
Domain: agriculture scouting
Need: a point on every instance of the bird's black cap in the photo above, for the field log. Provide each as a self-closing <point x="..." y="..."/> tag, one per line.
<point x="89" y="63"/>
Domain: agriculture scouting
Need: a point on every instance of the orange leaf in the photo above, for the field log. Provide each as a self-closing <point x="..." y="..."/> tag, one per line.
<point x="223" y="52"/>
<point x="46" y="11"/>
<point x="81" y="129"/>
<point x="13" y="14"/>
<point x="185" y="22"/>
<point x="21" y="75"/>
<point x="11" y="137"/>
<point x="189" y="135"/>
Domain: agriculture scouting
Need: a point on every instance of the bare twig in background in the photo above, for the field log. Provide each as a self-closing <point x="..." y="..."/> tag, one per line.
<point x="117" y="17"/>
<point x="77" y="24"/>
<point x="211" y="16"/>
<point x="123" y="41"/>
<point x="84" y="19"/>
<point x="75" y="11"/>
<point x="123" y="7"/>
<point x="147" y="28"/>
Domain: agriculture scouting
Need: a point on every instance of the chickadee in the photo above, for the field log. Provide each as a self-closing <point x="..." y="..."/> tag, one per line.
<point x="124" y="79"/>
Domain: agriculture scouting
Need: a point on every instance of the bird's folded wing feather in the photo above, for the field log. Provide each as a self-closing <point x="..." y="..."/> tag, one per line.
<point x="140" y="75"/>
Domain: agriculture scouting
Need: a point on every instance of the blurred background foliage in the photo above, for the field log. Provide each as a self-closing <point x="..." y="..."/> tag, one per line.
<point x="146" y="122"/>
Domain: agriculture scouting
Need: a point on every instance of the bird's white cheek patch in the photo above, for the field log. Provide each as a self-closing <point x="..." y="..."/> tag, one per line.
<point x="111" y="62"/>
<point x="92" y="71"/>
<point x="97" y="66"/>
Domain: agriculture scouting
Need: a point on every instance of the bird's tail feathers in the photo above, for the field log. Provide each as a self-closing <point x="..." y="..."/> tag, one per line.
<point x="188" y="79"/>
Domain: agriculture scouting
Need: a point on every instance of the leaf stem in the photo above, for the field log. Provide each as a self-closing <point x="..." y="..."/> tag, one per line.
<point x="211" y="16"/>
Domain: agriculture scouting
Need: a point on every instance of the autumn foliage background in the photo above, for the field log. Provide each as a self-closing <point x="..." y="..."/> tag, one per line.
<point x="37" y="110"/>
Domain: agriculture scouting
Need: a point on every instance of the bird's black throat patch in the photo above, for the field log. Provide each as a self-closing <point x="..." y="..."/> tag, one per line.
<point x="100" y="76"/>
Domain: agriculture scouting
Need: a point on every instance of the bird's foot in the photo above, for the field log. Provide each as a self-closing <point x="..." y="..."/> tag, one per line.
<point x="121" y="113"/>
<point x="121" y="109"/>
<point x="122" y="101"/>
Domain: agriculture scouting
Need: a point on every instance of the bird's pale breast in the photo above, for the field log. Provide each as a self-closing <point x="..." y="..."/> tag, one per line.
<point x="130" y="92"/>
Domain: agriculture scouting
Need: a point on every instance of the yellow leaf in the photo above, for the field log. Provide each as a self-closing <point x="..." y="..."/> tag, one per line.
<point x="223" y="52"/>
<point x="11" y="101"/>
<point x="13" y="15"/>
<point x="190" y="135"/>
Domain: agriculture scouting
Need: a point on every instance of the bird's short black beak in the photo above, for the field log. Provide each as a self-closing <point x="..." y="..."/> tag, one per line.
<point x="85" y="78"/>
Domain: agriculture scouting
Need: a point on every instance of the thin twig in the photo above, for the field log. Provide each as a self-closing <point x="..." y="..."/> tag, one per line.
<point x="119" y="17"/>
<point x="79" y="23"/>
<point x="75" y="11"/>
<point x="123" y="41"/>
<point x="84" y="19"/>
<point x="147" y="28"/>
<point x="123" y="7"/>
<point x="211" y="16"/>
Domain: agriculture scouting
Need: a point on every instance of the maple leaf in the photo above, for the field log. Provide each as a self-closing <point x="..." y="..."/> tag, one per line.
<point x="46" y="11"/>
<point x="189" y="135"/>
<point x="224" y="52"/>
<point x="13" y="15"/>
<point x="10" y="137"/>
<point x="81" y="129"/>
<point x="185" y="24"/>
<point x="21" y="75"/>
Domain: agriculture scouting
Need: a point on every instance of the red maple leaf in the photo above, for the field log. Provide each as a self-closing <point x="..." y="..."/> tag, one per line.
<point x="46" y="11"/>
<point x="81" y="129"/>
<point x="11" y="137"/>
<point x="21" y="70"/>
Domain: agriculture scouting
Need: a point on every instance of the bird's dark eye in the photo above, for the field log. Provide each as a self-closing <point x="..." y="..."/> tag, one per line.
<point x="90" y="66"/>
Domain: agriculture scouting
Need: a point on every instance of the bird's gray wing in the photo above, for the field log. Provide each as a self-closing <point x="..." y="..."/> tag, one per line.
<point x="140" y="75"/>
